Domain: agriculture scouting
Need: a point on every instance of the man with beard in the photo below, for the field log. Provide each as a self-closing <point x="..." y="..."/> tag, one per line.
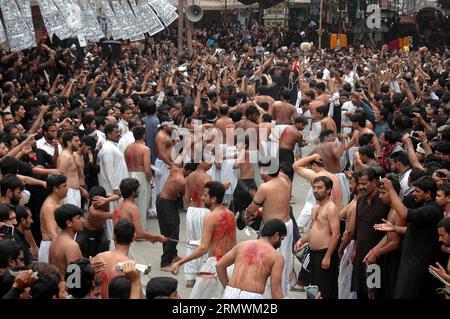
<point x="323" y="239"/>
<point x="57" y="185"/>
<point x="254" y="262"/>
<point x="70" y="169"/>
<point x="11" y="190"/>
<point x="420" y="246"/>
<point x="218" y="238"/>
<point x="64" y="249"/>
<point x="370" y="210"/>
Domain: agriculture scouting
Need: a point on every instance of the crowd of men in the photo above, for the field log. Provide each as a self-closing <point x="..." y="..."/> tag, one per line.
<point x="93" y="147"/>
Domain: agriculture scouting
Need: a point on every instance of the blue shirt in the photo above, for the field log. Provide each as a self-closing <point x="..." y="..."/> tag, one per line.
<point x="380" y="128"/>
<point x="151" y="123"/>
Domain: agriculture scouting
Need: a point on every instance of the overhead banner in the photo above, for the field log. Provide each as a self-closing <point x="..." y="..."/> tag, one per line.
<point x="154" y="25"/>
<point x="165" y="11"/>
<point x="54" y="21"/>
<point x="18" y="33"/>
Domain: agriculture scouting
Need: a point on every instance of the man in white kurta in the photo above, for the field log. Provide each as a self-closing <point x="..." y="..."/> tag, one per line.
<point x="113" y="168"/>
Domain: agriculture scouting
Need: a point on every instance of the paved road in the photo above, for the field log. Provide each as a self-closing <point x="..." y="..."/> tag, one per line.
<point x="151" y="253"/>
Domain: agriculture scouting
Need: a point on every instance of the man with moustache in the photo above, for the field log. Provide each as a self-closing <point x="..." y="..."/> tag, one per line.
<point x="323" y="239"/>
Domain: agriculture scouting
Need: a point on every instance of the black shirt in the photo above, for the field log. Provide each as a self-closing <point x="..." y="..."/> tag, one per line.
<point x="20" y="238"/>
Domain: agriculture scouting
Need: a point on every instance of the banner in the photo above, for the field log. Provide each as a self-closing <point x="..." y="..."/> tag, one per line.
<point x="18" y="33"/>
<point x="154" y="25"/>
<point x="114" y="26"/>
<point x="54" y="21"/>
<point x="165" y="11"/>
<point x="133" y="22"/>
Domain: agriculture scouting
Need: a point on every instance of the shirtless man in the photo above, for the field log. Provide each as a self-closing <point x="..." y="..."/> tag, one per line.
<point x="224" y="122"/>
<point x="124" y="236"/>
<point x="291" y="136"/>
<point x="67" y="165"/>
<point x="283" y="112"/>
<point x="317" y="169"/>
<point x="138" y="158"/>
<point x="84" y="149"/>
<point x="254" y="262"/>
<point x="326" y="122"/>
<point x="265" y="99"/>
<point x="218" y="238"/>
<point x="251" y="119"/>
<point x="129" y="189"/>
<point x="330" y="151"/>
<point x="167" y="207"/>
<point x="64" y="250"/>
<point x="246" y="185"/>
<point x="92" y="239"/>
<point x="164" y="162"/>
<point x="323" y="239"/>
<point x="57" y="185"/>
<point x="321" y="95"/>
<point x="195" y="184"/>
<point x="275" y="205"/>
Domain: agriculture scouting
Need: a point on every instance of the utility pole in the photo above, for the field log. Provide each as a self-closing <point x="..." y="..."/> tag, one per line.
<point x="180" y="24"/>
<point x="320" y="24"/>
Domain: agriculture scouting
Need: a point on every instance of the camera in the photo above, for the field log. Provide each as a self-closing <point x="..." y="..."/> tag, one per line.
<point x="8" y="230"/>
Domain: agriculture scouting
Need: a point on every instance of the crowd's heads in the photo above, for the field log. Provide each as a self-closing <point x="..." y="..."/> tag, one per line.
<point x="69" y="216"/>
<point x="162" y="287"/>
<point x="124" y="232"/>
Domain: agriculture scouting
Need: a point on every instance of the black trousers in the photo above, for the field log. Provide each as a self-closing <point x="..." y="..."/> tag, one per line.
<point x="169" y="225"/>
<point x="327" y="280"/>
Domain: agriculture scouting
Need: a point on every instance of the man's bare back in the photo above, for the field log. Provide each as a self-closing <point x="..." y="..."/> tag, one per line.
<point x="283" y="112"/>
<point x="63" y="251"/>
<point x="96" y="218"/>
<point x="265" y="99"/>
<point x="195" y="185"/>
<point x="175" y="184"/>
<point x="164" y="145"/>
<point x="327" y="152"/>
<point x="275" y="203"/>
<point x="224" y="231"/>
<point x="253" y="265"/>
<point x="110" y="259"/>
<point x="222" y="124"/>
<point x="136" y="155"/>
<point x="289" y="137"/>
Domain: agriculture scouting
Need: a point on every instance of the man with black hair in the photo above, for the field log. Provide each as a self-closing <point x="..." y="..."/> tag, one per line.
<point x="390" y="145"/>
<point x="272" y="204"/>
<point x="126" y="113"/>
<point x="24" y="221"/>
<point x="128" y="137"/>
<point x="218" y="238"/>
<point x="57" y="185"/>
<point x="129" y="189"/>
<point x="381" y="121"/>
<point x="126" y="286"/>
<point x="113" y="168"/>
<point x="282" y="111"/>
<point x="11" y="257"/>
<point x="11" y="189"/>
<point x="364" y="158"/>
<point x="290" y="138"/>
<point x="64" y="249"/>
<point x="92" y="239"/>
<point x="420" y="245"/>
<point x="49" y="143"/>
<point x="443" y="199"/>
<point x="254" y="262"/>
<point x="323" y="240"/>
<point x="159" y="287"/>
<point x="68" y="164"/>
<point x="403" y="168"/>
<point x="326" y="122"/>
<point x="50" y="284"/>
<point x="370" y="210"/>
<point x="138" y="159"/>
<point x="150" y="122"/>
<point x="86" y="278"/>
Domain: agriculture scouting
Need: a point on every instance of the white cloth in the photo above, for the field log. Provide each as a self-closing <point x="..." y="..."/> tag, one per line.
<point x="345" y="120"/>
<point x="404" y="183"/>
<point x="315" y="133"/>
<point x="101" y="138"/>
<point x="113" y="169"/>
<point x="345" y="188"/>
<point x="207" y="284"/>
<point x="145" y="193"/>
<point x="286" y="250"/>
<point x="276" y="132"/>
<point x="47" y="147"/>
<point x="125" y="140"/>
<point x="73" y="197"/>
<point x="345" y="274"/>
<point x="194" y="228"/>
<point x="305" y="214"/>
<point x="350" y="78"/>
<point x="44" y="251"/>
<point x="235" y="293"/>
<point x="123" y="127"/>
<point x="161" y="175"/>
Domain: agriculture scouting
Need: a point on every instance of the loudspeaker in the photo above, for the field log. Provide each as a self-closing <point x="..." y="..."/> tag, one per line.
<point x="112" y="50"/>
<point x="194" y="13"/>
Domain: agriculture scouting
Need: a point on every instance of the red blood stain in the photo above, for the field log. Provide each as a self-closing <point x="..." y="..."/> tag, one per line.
<point x="284" y="134"/>
<point x="226" y="226"/>
<point x="116" y="216"/>
<point x="196" y="199"/>
<point x="251" y="255"/>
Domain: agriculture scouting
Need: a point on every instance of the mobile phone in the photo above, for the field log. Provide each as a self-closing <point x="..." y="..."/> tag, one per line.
<point x="8" y="230"/>
<point x="381" y="185"/>
<point x="312" y="292"/>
